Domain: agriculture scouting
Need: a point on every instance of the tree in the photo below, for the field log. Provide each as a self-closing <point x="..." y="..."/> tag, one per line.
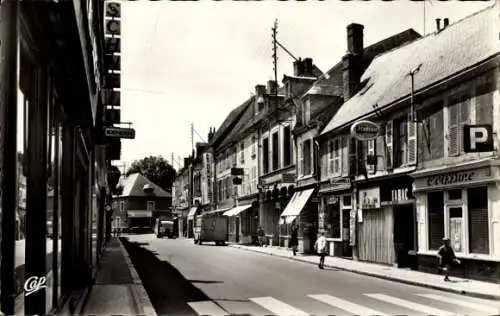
<point x="156" y="169"/>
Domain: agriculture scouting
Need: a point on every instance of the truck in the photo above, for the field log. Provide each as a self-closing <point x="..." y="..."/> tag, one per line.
<point x="164" y="227"/>
<point x="210" y="227"/>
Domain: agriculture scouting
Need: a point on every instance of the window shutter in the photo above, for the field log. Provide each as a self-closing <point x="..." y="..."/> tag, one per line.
<point x="336" y="157"/>
<point x="388" y="143"/>
<point x="330" y="157"/>
<point x="370" y="152"/>
<point x="339" y="153"/>
<point x="412" y="142"/>
<point x="324" y="161"/>
<point x="463" y="119"/>
<point x="453" y="144"/>
<point x="345" y="157"/>
<point x="301" y="159"/>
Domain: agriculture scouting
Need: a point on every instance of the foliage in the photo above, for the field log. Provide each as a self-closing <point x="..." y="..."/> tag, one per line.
<point x="156" y="169"/>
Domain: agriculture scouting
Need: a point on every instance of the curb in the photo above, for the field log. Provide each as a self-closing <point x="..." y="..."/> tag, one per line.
<point x="141" y="298"/>
<point x="384" y="277"/>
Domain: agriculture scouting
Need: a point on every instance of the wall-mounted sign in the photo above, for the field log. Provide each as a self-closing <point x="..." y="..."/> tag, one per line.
<point x="117" y="132"/>
<point x="400" y="194"/>
<point x="369" y="198"/>
<point x="451" y="178"/>
<point x="478" y="138"/>
<point x="365" y="130"/>
<point x="113" y="9"/>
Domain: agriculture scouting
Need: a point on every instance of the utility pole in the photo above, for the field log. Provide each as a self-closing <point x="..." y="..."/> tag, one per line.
<point x="275" y="94"/>
<point x="9" y="70"/>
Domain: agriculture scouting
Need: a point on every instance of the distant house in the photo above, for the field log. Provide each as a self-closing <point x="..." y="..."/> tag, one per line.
<point x="141" y="202"/>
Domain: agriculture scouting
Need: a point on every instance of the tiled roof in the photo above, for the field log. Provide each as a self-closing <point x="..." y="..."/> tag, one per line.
<point x="229" y="121"/>
<point x="245" y="118"/>
<point x="441" y="54"/>
<point x="134" y="184"/>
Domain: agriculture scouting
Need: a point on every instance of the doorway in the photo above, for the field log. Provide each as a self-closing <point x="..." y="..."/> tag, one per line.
<point x="237" y="230"/>
<point x="404" y="233"/>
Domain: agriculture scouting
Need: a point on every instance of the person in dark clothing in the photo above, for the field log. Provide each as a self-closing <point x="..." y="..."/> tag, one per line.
<point x="294" y="239"/>
<point x="446" y="258"/>
<point x="261" y="236"/>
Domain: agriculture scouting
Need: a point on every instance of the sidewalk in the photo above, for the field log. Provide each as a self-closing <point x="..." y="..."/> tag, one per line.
<point x="462" y="286"/>
<point x="118" y="290"/>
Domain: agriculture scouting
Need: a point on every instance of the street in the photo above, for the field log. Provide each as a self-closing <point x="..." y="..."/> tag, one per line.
<point x="186" y="279"/>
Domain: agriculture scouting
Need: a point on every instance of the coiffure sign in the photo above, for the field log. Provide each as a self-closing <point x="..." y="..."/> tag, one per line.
<point x="365" y="130"/>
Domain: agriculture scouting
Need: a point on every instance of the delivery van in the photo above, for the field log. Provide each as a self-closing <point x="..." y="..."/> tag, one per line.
<point x="164" y="228"/>
<point x="210" y="227"/>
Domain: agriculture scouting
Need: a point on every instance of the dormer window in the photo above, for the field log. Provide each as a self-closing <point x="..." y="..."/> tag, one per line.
<point x="260" y="104"/>
<point x="148" y="189"/>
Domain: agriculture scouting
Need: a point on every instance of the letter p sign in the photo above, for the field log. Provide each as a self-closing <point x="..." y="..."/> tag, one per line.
<point x="478" y="138"/>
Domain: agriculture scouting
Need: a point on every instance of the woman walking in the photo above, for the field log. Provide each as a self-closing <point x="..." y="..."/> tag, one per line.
<point x="294" y="239"/>
<point x="320" y="247"/>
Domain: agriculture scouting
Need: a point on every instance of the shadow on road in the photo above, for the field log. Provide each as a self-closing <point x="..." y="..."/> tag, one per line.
<point x="205" y="281"/>
<point x="167" y="288"/>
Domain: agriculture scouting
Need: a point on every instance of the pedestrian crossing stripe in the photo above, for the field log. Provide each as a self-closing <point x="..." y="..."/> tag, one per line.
<point x="279" y="308"/>
<point x="345" y="305"/>
<point x="411" y="305"/>
<point x="491" y="310"/>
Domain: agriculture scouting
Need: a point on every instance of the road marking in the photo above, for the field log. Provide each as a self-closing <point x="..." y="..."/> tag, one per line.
<point x="480" y="307"/>
<point x="411" y="305"/>
<point x="352" y="308"/>
<point x="207" y="308"/>
<point x="278" y="307"/>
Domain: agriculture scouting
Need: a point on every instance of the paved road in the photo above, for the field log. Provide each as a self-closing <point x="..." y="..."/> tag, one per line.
<point x="186" y="279"/>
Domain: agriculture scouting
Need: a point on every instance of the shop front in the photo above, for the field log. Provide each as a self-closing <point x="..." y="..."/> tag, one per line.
<point x="242" y="222"/>
<point x="302" y="210"/>
<point x="334" y="216"/>
<point x="460" y="203"/>
<point x="385" y="220"/>
<point x="190" y="221"/>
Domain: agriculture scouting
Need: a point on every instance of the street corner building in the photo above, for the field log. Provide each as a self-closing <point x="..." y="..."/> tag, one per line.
<point x="382" y="153"/>
<point x="59" y="75"/>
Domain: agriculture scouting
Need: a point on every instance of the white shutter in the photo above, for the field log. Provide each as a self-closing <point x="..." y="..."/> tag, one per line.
<point x="389" y="154"/>
<point x="370" y="152"/>
<point x="453" y="141"/>
<point x="464" y="119"/>
<point x="301" y="160"/>
<point x="412" y="142"/>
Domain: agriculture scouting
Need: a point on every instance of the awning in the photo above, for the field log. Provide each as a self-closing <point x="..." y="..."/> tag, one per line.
<point x="237" y="210"/>
<point x="167" y="222"/>
<point x="215" y="211"/>
<point x="296" y="204"/>
<point x="192" y="211"/>
<point x="140" y="213"/>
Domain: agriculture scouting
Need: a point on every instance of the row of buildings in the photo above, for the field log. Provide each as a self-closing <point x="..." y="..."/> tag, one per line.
<point x="60" y="80"/>
<point x="296" y="153"/>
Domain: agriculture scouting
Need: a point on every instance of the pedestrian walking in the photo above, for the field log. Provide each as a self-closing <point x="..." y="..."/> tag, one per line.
<point x="261" y="235"/>
<point x="294" y="239"/>
<point x="446" y="258"/>
<point x="320" y="247"/>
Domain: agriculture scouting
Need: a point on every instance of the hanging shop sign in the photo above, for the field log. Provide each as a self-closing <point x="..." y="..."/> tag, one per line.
<point x="117" y="132"/>
<point x="365" y="130"/>
<point x="369" y="198"/>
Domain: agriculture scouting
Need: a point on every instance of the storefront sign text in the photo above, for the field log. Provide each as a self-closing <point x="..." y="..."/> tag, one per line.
<point x="34" y="284"/>
<point x="451" y="178"/>
<point x="365" y="130"/>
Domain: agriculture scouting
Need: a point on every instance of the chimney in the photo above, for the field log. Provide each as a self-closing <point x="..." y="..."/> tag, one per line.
<point x="446" y="22"/>
<point x="308" y="67"/>
<point x="272" y="87"/>
<point x="211" y="134"/>
<point x="352" y="65"/>
<point x="355" y="39"/>
<point x="260" y="90"/>
<point x="438" y="24"/>
<point x="298" y="67"/>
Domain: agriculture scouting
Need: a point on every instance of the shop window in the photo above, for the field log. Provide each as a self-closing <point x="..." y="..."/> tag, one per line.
<point x="346" y="199"/>
<point x="435" y="208"/>
<point x="334" y="220"/>
<point x="122" y="206"/>
<point x="456" y="228"/>
<point x="478" y="220"/>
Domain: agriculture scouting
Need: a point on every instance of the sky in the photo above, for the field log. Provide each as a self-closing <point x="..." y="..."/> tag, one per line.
<point x="189" y="63"/>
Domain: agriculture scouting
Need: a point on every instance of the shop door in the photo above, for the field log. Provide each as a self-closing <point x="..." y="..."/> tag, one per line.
<point x="346" y="233"/>
<point x="237" y="230"/>
<point x="404" y="233"/>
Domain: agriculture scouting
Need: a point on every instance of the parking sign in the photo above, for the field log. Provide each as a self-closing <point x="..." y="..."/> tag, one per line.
<point x="478" y="138"/>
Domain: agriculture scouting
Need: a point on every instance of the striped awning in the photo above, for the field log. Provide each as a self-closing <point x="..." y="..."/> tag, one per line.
<point x="192" y="211"/>
<point x="296" y="205"/>
<point x="237" y="210"/>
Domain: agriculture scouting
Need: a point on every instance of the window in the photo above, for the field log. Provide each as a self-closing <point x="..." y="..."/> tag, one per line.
<point x="306" y="157"/>
<point x="242" y="152"/>
<point x="389" y="155"/>
<point x="435" y="208"/>
<point x="275" y="151"/>
<point x="234" y="156"/>
<point x="254" y="146"/>
<point x="484" y="102"/>
<point x="122" y="206"/>
<point x="151" y="205"/>
<point x="458" y="116"/>
<point x="287" y="146"/>
<point x="370" y="152"/>
<point x="334" y="156"/>
<point x="401" y="142"/>
<point x="478" y="220"/>
<point x="432" y="136"/>
<point x="265" y="155"/>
